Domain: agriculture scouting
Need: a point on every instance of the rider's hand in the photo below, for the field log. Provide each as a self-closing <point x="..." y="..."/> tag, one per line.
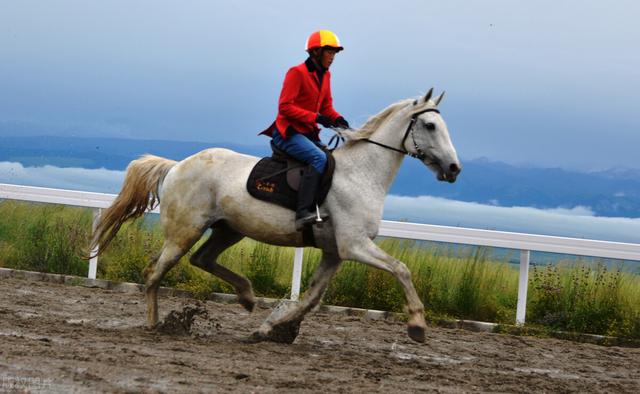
<point x="342" y="123"/>
<point x="324" y="121"/>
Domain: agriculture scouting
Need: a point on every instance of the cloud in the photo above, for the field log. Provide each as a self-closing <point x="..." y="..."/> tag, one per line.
<point x="575" y="211"/>
<point x="96" y="180"/>
<point x="576" y="222"/>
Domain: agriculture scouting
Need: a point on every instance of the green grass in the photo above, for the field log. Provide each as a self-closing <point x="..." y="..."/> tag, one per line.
<point x="585" y="298"/>
<point x="44" y="238"/>
<point x="452" y="282"/>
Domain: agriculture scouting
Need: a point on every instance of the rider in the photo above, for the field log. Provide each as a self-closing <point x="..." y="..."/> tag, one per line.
<point x="304" y="101"/>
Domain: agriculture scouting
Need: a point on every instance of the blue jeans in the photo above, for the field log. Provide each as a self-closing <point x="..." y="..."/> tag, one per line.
<point x="303" y="149"/>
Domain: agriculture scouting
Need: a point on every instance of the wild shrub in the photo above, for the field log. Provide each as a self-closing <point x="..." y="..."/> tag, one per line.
<point x="44" y="237"/>
<point x="348" y="287"/>
<point x="262" y="269"/>
<point x="584" y="298"/>
<point x="133" y="248"/>
<point x="383" y="292"/>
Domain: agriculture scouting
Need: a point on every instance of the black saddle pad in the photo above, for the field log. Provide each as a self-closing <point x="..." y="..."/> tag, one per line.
<point x="268" y="179"/>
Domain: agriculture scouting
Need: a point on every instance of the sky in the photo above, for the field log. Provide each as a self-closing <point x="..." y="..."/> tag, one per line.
<point x="545" y="83"/>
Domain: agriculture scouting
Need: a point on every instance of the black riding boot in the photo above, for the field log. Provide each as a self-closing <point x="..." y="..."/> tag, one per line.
<point x="306" y="211"/>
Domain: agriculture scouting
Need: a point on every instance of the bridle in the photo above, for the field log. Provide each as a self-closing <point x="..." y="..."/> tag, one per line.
<point x="420" y="155"/>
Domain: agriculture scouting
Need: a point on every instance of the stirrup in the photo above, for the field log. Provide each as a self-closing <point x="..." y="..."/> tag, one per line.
<point x="310" y="218"/>
<point x="305" y="221"/>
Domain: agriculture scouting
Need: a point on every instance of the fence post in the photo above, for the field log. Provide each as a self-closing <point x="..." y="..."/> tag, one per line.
<point x="521" y="312"/>
<point x="93" y="262"/>
<point x="297" y="274"/>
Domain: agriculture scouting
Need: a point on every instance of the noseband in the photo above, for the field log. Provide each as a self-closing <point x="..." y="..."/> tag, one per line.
<point x="421" y="155"/>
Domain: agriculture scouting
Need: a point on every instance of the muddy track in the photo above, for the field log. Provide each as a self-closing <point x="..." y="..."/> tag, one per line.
<point x="60" y="338"/>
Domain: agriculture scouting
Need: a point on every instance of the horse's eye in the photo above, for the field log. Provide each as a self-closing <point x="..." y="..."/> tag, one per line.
<point x="430" y="126"/>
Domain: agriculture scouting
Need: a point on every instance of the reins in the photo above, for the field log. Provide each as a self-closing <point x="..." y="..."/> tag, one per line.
<point x="420" y="153"/>
<point x="335" y="140"/>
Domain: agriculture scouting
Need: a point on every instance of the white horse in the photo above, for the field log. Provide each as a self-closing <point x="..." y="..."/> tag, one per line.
<point x="208" y="191"/>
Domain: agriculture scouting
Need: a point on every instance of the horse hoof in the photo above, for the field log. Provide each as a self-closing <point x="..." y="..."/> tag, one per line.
<point x="256" y="337"/>
<point x="247" y="304"/>
<point x="270" y="337"/>
<point x="280" y="333"/>
<point x="417" y="333"/>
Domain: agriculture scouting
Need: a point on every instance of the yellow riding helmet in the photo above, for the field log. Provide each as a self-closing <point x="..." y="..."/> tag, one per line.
<point x="323" y="38"/>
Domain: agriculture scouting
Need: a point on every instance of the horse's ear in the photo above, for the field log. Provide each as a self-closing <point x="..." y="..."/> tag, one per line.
<point x="439" y="98"/>
<point x="428" y="95"/>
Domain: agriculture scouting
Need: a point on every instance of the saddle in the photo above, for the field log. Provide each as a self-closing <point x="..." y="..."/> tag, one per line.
<point x="276" y="179"/>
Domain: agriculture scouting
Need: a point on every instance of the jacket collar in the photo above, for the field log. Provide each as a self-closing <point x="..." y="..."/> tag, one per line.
<point x="311" y="66"/>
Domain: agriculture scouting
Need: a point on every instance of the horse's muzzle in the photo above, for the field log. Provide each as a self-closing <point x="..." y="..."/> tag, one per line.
<point x="449" y="174"/>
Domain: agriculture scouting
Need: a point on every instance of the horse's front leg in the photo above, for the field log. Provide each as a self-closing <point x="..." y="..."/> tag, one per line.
<point x="284" y="322"/>
<point x="367" y="252"/>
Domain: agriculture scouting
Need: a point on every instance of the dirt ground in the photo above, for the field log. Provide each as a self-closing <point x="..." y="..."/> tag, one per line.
<point x="61" y="338"/>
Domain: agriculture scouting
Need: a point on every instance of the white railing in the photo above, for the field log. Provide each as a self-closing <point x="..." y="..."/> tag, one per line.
<point x="523" y="242"/>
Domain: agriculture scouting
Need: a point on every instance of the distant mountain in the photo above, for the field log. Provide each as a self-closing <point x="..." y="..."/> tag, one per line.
<point x="109" y="153"/>
<point x="608" y="193"/>
<point x="614" y="192"/>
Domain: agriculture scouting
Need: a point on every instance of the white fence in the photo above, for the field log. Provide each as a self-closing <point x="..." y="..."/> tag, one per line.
<point x="523" y="242"/>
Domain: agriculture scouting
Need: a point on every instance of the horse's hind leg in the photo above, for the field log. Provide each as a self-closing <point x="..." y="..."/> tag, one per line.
<point x="223" y="237"/>
<point x="284" y="322"/>
<point x="173" y="249"/>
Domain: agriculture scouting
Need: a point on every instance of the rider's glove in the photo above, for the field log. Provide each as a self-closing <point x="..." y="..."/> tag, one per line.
<point x="324" y="121"/>
<point x="342" y="123"/>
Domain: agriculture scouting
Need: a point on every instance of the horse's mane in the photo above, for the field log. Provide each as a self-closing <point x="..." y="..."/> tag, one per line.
<point x="373" y="123"/>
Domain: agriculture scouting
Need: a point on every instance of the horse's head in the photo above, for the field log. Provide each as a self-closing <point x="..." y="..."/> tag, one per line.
<point x="427" y="138"/>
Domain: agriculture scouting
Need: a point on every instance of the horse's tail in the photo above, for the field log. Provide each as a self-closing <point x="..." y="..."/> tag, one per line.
<point x="139" y="192"/>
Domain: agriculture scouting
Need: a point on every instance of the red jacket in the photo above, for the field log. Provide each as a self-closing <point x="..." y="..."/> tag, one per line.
<point x="301" y="99"/>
